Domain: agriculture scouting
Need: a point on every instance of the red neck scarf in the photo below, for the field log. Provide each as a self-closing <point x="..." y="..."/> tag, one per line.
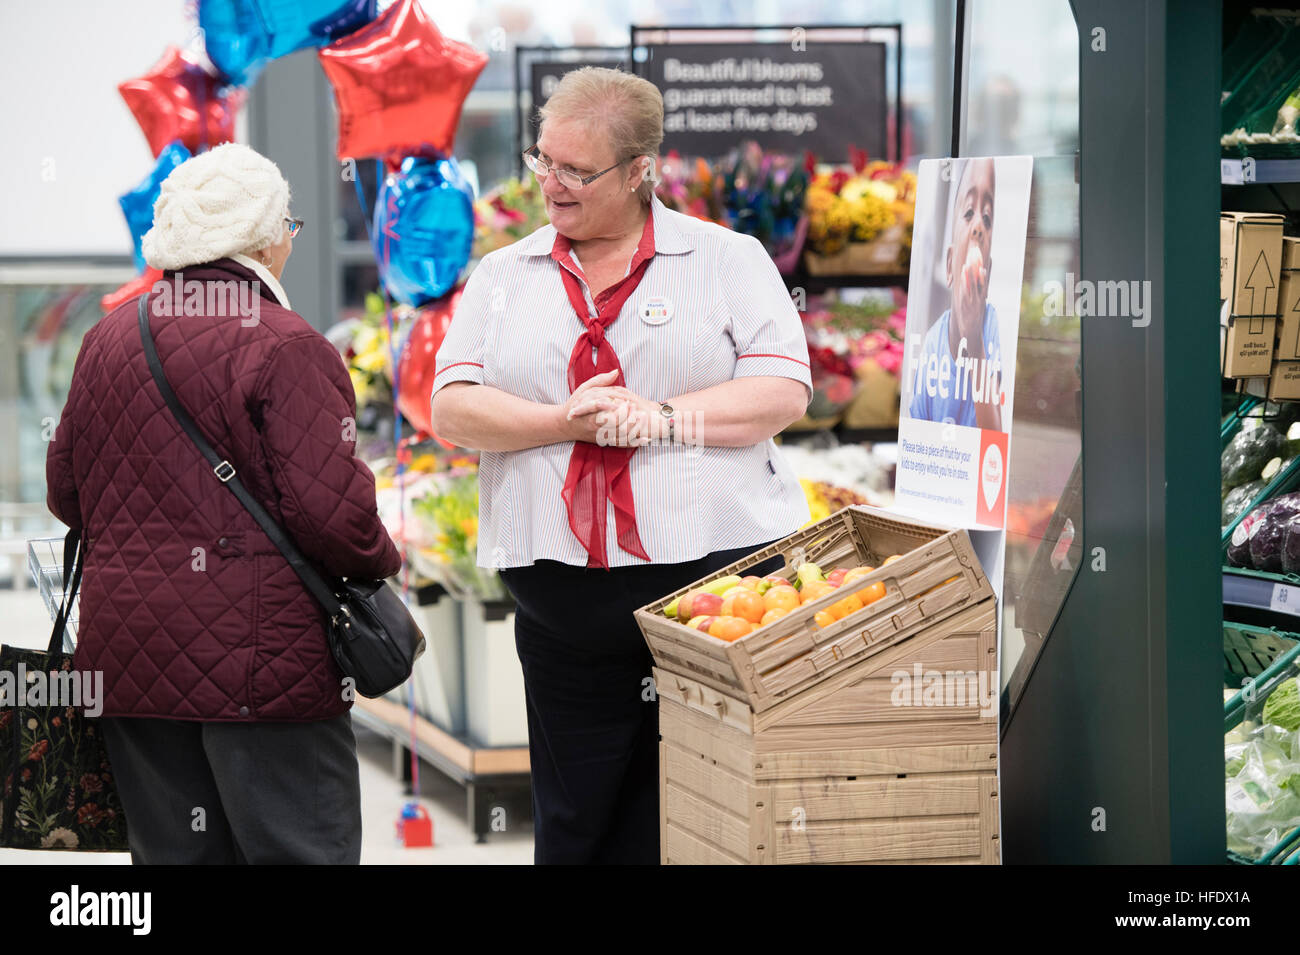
<point x="597" y="474"/>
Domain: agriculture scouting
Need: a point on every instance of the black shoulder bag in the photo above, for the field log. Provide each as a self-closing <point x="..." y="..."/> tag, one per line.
<point x="372" y="635"/>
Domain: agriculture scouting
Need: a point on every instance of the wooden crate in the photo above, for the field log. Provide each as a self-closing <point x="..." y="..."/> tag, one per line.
<point x="837" y="774"/>
<point x="937" y="576"/>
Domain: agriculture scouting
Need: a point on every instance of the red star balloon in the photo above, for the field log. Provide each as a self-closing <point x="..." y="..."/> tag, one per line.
<point x="415" y="366"/>
<point x="138" y="286"/>
<point x="178" y="99"/>
<point x="399" y="85"/>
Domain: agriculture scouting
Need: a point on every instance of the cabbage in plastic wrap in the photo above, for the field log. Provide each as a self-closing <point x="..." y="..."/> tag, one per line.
<point x="1237" y="500"/>
<point x="1247" y="453"/>
<point x="1269" y="535"/>
<point x="1262" y="790"/>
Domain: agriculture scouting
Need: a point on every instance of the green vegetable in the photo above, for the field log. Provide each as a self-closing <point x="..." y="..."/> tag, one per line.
<point x="1237" y="500"/>
<point x="1248" y="452"/>
<point x="1282" y="708"/>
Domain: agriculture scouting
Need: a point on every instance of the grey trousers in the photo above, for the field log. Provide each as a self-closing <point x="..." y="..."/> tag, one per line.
<point x="237" y="793"/>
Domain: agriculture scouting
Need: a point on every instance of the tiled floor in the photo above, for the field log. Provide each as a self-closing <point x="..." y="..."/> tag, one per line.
<point x="26" y="624"/>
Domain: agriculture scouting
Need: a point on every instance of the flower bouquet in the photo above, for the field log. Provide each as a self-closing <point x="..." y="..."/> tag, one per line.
<point x="507" y="213"/>
<point x="750" y="191"/>
<point x="450" y="513"/>
<point x="863" y="341"/>
<point x="860" y="221"/>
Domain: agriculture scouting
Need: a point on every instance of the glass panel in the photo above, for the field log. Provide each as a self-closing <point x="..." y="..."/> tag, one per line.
<point x="1022" y="99"/>
<point x="42" y="322"/>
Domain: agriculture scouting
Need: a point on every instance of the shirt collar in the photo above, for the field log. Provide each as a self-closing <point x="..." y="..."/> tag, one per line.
<point x="263" y="273"/>
<point x="668" y="238"/>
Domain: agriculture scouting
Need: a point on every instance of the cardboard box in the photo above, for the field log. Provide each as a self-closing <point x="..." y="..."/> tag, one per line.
<point x="1246" y="346"/>
<point x="1288" y="324"/>
<point x="1284" y="382"/>
<point x="1250" y="262"/>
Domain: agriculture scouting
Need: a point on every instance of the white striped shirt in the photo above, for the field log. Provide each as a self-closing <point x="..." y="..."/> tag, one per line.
<point x="730" y="317"/>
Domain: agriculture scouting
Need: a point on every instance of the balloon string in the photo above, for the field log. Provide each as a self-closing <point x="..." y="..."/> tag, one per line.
<point x="397" y="444"/>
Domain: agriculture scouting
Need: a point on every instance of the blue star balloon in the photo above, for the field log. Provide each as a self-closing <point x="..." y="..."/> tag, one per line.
<point x="242" y="36"/>
<point x="423" y="229"/>
<point x="137" y="205"/>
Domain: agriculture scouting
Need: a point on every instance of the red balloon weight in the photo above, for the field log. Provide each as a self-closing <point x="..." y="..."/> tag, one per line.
<point x="415" y="366"/>
<point x="178" y="99"/>
<point x="137" y="286"/>
<point x="399" y="85"/>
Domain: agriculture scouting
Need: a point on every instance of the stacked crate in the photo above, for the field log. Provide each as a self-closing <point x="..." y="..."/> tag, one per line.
<point x="864" y="741"/>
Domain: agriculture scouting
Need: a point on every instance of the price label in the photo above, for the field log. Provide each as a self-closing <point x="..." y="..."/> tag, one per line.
<point x="1230" y="172"/>
<point x="1285" y="599"/>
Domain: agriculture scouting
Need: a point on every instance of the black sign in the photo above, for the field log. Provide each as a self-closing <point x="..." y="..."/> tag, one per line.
<point x="543" y="76"/>
<point x="824" y="96"/>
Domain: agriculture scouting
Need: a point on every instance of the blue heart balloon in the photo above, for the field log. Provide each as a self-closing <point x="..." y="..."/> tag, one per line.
<point x="242" y="36"/>
<point x="137" y="205"/>
<point x="423" y="229"/>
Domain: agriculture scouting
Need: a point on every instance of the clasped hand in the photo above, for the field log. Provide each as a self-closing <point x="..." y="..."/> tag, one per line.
<point x="612" y="416"/>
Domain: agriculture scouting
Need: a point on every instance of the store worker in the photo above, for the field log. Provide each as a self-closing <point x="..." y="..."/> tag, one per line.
<point x="618" y="324"/>
<point x="226" y="720"/>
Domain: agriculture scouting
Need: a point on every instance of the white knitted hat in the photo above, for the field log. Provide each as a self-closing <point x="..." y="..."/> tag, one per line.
<point x="227" y="200"/>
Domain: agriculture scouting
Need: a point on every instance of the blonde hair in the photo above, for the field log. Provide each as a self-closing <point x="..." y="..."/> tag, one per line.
<point x="626" y="109"/>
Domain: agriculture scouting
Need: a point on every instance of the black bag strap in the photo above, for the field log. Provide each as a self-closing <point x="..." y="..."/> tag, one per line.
<point x="73" y="556"/>
<point x="225" y="473"/>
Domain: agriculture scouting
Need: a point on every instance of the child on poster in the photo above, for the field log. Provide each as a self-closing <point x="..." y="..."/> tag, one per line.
<point x="958" y="376"/>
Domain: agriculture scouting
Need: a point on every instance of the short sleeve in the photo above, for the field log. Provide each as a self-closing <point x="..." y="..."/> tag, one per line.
<point x="460" y="357"/>
<point x="765" y="326"/>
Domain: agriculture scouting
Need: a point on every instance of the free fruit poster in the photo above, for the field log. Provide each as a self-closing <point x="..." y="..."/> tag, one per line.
<point x="963" y="316"/>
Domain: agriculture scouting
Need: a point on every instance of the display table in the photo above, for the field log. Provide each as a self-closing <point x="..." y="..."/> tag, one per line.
<point x="470" y="719"/>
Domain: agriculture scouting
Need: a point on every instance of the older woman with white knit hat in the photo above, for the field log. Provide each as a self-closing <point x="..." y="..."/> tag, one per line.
<point x="225" y="717"/>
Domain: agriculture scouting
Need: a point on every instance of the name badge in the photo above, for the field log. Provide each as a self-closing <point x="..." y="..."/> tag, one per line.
<point x="656" y="310"/>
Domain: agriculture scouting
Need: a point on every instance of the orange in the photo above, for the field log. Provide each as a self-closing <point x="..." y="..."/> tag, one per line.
<point x="752" y="582"/>
<point x="781" y="598"/>
<point x="746" y="604"/>
<point x="732" y="591"/>
<point x="730" y="628"/>
<point x="812" y="591"/>
<point x="871" y="593"/>
<point x="823" y="618"/>
<point x="891" y="559"/>
<point x="845" y="606"/>
<point x="776" y="613"/>
<point x="856" y="573"/>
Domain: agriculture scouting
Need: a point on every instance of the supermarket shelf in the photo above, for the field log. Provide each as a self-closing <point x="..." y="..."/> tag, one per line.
<point x="483" y="771"/>
<point x="1232" y="172"/>
<point x="1258" y="590"/>
<point x="844" y="435"/>
<point x="816" y="284"/>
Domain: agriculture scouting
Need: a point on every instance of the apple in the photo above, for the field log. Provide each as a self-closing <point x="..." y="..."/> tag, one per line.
<point x="836" y="576"/>
<point x="775" y="580"/>
<point x="754" y="582"/>
<point x="702" y="623"/>
<point x="698" y="602"/>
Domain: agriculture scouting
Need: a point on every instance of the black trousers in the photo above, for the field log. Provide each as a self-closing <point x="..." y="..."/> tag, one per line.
<point x="593" y="718"/>
<point x="237" y="793"/>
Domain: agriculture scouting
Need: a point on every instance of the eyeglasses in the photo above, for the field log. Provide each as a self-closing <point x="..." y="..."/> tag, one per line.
<point x="569" y="179"/>
<point x="295" y="226"/>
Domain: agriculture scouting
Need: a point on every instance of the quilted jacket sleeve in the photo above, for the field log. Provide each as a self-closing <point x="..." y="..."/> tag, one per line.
<point x="327" y="494"/>
<point x="60" y="481"/>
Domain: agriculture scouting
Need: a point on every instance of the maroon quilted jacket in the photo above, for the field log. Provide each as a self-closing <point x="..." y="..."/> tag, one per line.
<point x="186" y="605"/>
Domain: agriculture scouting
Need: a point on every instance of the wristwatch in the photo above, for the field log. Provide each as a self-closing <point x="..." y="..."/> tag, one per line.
<point x="667" y="411"/>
